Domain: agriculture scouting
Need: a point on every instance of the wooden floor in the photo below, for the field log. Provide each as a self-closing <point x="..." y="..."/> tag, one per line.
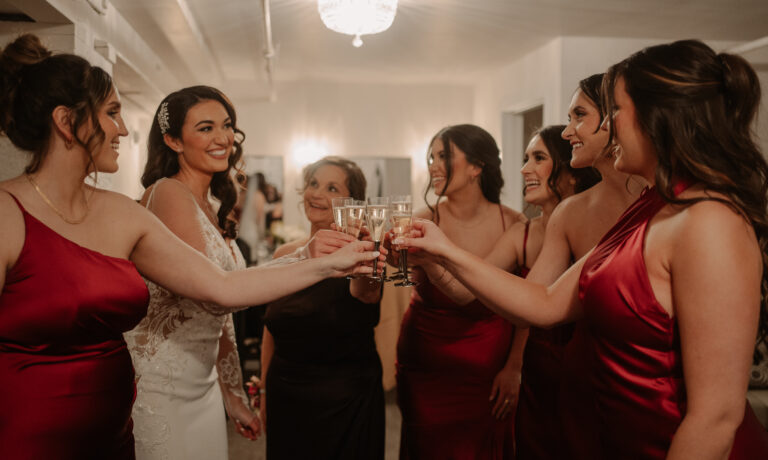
<point x="243" y="449"/>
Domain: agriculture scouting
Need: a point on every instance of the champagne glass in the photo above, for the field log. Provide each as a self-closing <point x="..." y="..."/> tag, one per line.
<point x="376" y="214"/>
<point x="339" y="218"/>
<point x="354" y="212"/>
<point x="401" y="226"/>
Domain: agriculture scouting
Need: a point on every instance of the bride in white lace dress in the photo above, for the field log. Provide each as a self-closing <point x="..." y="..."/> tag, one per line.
<point x="184" y="351"/>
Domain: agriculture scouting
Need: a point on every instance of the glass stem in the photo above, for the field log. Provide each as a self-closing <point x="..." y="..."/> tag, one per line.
<point x="376" y="246"/>
<point x="404" y="263"/>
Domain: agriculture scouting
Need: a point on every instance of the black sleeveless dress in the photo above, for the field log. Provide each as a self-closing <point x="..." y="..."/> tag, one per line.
<point x="324" y="392"/>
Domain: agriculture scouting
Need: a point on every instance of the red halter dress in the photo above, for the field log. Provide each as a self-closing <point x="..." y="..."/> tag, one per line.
<point x="633" y="349"/>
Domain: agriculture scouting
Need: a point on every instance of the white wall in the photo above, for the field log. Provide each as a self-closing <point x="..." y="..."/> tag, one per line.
<point x="548" y="76"/>
<point x="529" y="81"/>
<point x="350" y="119"/>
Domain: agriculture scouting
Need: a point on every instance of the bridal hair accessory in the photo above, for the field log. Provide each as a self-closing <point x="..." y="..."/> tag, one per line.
<point x="162" y="118"/>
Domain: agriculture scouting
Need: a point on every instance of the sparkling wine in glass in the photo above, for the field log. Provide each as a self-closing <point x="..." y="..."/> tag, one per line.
<point x="401" y="226"/>
<point x="376" y="215"/>
<point x="354" y="211"/>
<point x="338" y="204"/>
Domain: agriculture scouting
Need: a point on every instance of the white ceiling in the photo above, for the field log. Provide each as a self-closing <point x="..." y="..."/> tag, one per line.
<point x="221" y="42"/>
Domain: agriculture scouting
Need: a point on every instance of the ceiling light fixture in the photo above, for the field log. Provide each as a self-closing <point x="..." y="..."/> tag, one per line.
<point x="357" y="17"/>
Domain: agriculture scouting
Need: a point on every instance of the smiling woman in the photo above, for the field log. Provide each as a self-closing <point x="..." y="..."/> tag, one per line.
<point x="324" y="396"/>
<point x="192" y="148"/>
<point x="71" y="257"/>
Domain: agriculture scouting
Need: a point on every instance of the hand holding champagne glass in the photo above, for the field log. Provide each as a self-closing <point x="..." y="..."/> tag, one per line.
<point x="376" y="215"/>
<point x="401" y="226"/>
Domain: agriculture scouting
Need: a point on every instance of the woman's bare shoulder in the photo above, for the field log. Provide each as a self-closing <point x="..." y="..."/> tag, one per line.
<point x="423" y="213"/>
<point x="288" y="248"/>
<point x="512" y="216"/>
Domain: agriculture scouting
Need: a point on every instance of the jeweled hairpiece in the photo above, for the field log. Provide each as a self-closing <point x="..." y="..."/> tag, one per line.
<point x="162" y="118"/>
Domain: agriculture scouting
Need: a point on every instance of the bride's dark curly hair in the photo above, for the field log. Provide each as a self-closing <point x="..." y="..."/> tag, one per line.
<point x="697" y="107"/>
<point x="162" y="161"/>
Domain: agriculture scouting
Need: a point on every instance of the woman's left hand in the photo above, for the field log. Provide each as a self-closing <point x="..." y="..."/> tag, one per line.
<point x="246" y="422"/>
<point x="505" y="390"/>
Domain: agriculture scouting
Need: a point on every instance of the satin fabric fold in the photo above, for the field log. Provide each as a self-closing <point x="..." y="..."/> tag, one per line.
<point x="66" y="378"/>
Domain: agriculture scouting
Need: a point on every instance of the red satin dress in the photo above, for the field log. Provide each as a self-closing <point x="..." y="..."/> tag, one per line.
<point x="447" y="358"/>
<point x="66" y="378"/>
<point x="537" y="425"/>
<point x="634" y="349"/>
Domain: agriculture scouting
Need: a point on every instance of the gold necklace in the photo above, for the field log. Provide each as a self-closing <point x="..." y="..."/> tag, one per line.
<point x="55" y="209"/>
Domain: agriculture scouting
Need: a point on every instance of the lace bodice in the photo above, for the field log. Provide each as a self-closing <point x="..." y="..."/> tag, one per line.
<point x="182" y="346"/>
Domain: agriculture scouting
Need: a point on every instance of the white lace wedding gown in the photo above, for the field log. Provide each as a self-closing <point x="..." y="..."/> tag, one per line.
<point x="184" y="352"/>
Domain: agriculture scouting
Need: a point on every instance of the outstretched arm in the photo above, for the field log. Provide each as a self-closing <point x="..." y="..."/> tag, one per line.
<point x="518" y="300"/>
<point x="163" y="258"/>
<point x="505" y="255"/>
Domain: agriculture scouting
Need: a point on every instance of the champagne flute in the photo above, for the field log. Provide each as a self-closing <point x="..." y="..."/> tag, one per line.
<point x="338" y="204"/>
<point x="354" y="212"/>
<point x="401" y="226"/>
<point x="376" y="214"/>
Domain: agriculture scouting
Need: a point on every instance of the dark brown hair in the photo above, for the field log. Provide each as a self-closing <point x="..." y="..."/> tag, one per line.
<point x="592" y="87"/>
<point x="356" y="182"/>
<point x="162" y="161"/>
<point x="560" y="152"/>
<point x="33" y="83"/>
<point x="480" y="149"/>
<point x="697" y="108"/>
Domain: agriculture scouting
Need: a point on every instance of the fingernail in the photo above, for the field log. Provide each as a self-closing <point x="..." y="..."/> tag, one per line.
<point x="376" y="253"/>
<point x="398" y="241"/>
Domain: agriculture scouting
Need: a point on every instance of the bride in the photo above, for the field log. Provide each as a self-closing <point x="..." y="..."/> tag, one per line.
<point x="184" y="351"/>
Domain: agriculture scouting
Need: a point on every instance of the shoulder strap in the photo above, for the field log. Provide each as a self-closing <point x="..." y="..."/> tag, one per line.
<point x="18" y="203"/>
<point x="152" y="192"/>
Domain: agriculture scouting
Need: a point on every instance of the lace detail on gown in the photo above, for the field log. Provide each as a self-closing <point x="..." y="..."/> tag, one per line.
<point x="176" y="353"/>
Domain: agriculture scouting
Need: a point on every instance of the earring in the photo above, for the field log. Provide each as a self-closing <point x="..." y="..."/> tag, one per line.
<point x="68" y="141"/>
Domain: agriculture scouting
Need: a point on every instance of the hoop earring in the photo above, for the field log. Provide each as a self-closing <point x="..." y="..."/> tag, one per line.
<point x="68" y="141"/>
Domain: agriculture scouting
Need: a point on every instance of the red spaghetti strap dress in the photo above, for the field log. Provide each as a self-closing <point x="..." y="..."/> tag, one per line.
<point x="447" y="358"/>
<point x="537" y="425"/>
<point x="634" y="349"/>
<point x="66" y="378"/>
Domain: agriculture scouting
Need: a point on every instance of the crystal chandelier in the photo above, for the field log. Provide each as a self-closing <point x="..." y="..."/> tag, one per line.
<point x="357" y="17"/>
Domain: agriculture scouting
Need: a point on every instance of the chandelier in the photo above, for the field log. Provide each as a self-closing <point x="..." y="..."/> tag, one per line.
<point x="357" y="17"/>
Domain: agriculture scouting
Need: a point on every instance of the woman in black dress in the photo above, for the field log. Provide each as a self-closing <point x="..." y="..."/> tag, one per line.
<point x="324" y="397"/>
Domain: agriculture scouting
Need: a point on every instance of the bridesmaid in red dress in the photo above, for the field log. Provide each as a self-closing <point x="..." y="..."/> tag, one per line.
<point x="71" y="257"/>
<point x="549" y="178"/>
<point x="674" y="294"/>
<point x="457" y="372"/>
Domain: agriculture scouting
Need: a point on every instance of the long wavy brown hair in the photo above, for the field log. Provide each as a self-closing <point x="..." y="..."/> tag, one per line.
<point x="697" y="107"/>
<point x="162" y="161"/>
